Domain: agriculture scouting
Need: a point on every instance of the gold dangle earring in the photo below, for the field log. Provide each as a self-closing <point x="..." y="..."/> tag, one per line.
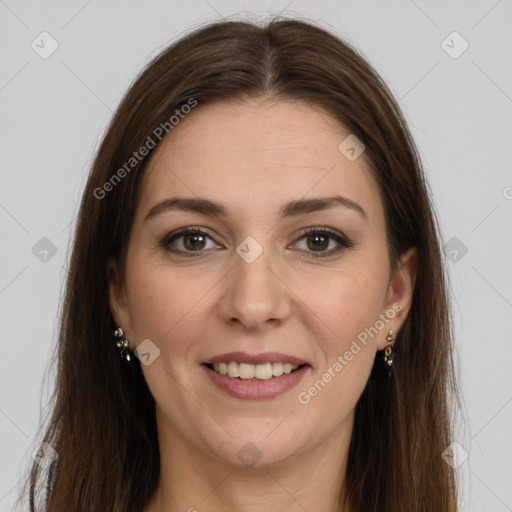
<point x="388" y="351"/>
<point x="122" y="344"/>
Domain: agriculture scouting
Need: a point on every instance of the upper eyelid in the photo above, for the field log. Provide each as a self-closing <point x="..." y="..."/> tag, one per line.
<point x="304" y="231"/>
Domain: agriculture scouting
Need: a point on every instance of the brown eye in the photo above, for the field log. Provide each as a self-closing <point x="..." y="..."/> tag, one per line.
<point x="318" y="242"/>
<point x="188" y="241"/>
<point x="322" y="242"/>
<point x="194" y="242"/>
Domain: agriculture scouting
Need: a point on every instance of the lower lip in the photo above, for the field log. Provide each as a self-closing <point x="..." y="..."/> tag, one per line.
<point x="256" y="390"/>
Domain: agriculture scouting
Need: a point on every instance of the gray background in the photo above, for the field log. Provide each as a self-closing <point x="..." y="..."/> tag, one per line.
<point x="54" y="112"/>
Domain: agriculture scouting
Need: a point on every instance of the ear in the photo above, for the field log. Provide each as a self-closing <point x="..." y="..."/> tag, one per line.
<point x="118" y="302"/>
<point x="400" y="293"/>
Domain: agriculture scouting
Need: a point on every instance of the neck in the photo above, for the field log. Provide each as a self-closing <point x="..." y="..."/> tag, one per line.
<point x="193" y="481"/>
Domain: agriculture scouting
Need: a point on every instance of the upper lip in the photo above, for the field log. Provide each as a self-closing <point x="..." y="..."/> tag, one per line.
<point x="265" y="357"/>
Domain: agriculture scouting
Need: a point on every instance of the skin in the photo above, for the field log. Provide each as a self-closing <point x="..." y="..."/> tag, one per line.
<point x="254" y="156"/>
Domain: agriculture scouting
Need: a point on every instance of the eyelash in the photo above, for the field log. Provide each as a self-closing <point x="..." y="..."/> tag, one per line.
<point x="343" y="241"/>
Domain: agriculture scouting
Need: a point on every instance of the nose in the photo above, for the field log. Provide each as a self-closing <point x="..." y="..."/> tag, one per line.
<point x="255" y="296"/>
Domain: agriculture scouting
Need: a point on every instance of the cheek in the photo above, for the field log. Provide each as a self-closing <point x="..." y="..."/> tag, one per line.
<point x="163" y="302"/>
<point x="348" y="301"/>
<point x="347" y="310"/>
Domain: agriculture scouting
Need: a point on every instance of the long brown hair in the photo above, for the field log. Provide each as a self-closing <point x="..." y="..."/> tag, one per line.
<point x="102" y="423"/>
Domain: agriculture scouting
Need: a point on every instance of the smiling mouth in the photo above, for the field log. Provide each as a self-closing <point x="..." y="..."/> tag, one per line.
<point x="254" y="372"/>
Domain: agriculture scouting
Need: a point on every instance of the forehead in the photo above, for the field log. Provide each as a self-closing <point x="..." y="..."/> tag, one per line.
<point x="257" y="153"/>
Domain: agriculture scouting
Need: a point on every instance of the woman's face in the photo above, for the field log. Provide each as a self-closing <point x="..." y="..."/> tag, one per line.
<point x="254" y="282"/>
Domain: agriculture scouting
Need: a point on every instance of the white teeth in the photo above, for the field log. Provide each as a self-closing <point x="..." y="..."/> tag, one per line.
<point x="246" y="371"/>
<point x="233" y="370"/>
<point x="249" y="371"/>
<point x="263" y="371"/>
<point x="277" y="369"/>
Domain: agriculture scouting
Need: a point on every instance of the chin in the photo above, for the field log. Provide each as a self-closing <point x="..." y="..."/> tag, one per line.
<point x="252" y="454"/>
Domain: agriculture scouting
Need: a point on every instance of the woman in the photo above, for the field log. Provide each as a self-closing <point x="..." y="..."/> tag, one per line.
<point x="257" y="226"/>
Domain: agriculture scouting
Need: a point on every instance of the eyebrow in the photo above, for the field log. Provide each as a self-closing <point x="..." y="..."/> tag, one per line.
<point x="215" y="209"/>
